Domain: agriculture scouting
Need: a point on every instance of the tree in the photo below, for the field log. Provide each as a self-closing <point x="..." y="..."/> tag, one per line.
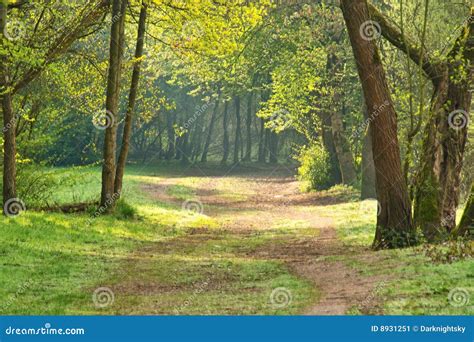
<point x="445" y="134"/>
<point x="108" y="196"/>
<point x="394" y="220"/>
<point x="127" y="129"/>
<point x="466" y="226"/>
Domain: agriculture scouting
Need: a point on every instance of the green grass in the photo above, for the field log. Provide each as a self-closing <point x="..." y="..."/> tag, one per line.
<point x="52" y="263"/>
<point x="416" y="285"/>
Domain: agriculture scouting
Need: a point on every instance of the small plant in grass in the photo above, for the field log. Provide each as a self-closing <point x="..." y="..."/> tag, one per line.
<point x="125" y="211"/>
<point x="314" y="167"/>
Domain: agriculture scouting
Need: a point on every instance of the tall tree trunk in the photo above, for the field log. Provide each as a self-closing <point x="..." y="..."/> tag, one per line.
<point x="248" y="151"/>
<point x="9" y="120"/>
<point x="438" y="178"/>
<point x="226" y="143"/>
<point x="394" y="220"/>
<point x="127" y="128"/>
<point x="466" y="226"/>
<point x="237" y="129"/>
<point x="209" y="132"/>
<point x="108" y="197"/>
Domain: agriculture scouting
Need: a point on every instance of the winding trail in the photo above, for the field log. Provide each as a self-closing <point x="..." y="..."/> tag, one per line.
<point x="245" y="204"/>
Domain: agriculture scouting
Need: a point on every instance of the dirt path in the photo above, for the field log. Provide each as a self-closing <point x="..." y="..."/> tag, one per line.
<point x="254" y="203"/>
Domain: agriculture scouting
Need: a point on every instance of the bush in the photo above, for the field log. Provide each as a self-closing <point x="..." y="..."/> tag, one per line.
<point x="315" y="167"/>
<point x="125" y="211"/>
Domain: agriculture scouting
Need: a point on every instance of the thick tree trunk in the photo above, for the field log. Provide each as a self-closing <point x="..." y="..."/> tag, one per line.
<point x="237" y="129"/>
<point x="248" y="151"/>
<point x="368" y="169"/>
<point x="127" y="128"/>
<point x="226" y="143"/>
<point x="108" y="197"/>
<point x="394" y="220"/>
<point x="466" y="226"/>
<point x="438" y="178"/>
<point x="9" y="120"/>
<point x="273" y="148"/>
<point x="209" y="132"/>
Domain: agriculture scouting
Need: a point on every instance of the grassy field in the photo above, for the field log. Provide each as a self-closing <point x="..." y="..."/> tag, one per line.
<point x="161" y="259"/>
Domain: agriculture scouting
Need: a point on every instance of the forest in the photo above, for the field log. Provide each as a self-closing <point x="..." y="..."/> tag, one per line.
<point x="233" y="157"/>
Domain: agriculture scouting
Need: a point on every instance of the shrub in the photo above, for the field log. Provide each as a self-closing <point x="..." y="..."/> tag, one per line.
<point x="124" y="210"/>
<point x="314" y="167"/>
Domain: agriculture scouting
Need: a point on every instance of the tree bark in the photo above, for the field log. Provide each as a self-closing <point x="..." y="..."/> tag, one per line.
<point x="328" y="142"/>
<point x="344" y="153"/>
<point x="261" y="142"/>
<point x="127" y="128"/>
<point x="394" y="220"/>
<point x="9" y="120"/>
<point x="108" y="196"/>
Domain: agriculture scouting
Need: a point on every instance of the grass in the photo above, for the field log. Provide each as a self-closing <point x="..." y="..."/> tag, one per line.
<point x="52" y="263"/>
<point x="160" y="259"/>
<point x="416" y="284"/>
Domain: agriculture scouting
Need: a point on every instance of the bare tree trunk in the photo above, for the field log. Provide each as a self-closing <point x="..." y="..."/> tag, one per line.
<point x="344" y="153"/>
<point x="127" y="128"/>
<point x="226" y="144"/>
<point x="261" y="142"/>
<point x="108" y="197"/>
<point x="237" y="129"/>
<point x="9" y="120"/>
<point x="210" y="130"/>
<point x="394" y="220"/>
<point x="248" y="151"/>
<point x="328" y="142"/>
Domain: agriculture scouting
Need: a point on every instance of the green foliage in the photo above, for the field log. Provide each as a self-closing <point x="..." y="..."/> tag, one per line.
<point x="450" y="251"/>
<point x="125" y="211"/>
<point x="314" y="167"/>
